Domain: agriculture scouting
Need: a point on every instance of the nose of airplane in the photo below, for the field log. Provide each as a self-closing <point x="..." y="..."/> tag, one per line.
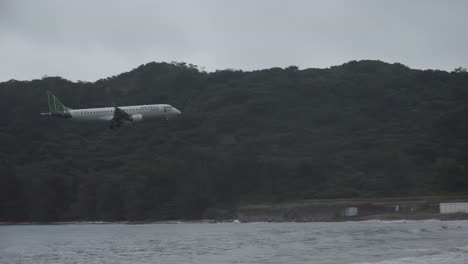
<point x="177" y="111"/>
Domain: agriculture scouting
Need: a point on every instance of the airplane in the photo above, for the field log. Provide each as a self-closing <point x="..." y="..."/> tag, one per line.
<point x="116" y="116"/>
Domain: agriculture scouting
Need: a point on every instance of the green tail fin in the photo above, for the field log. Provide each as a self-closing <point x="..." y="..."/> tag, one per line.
<point x="55" y="106"/>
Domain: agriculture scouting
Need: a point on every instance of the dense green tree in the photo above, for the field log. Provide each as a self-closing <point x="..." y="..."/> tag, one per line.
<point x="361" y="129"/>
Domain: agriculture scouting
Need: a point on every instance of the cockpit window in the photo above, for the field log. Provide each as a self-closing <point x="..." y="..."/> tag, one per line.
<point x="167" y="108"/>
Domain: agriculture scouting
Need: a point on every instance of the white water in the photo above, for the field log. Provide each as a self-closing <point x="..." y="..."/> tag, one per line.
<point x="382" y="242"/>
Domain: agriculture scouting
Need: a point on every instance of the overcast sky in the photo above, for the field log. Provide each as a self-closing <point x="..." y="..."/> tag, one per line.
<point x="90" y="39"/>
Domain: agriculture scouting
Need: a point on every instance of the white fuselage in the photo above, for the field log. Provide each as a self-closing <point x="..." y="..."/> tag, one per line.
<point x="138" y="112"/>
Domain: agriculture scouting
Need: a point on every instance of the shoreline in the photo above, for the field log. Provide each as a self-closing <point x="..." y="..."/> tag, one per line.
<point x="438" y="217"/>
<point x="315" y="210"/>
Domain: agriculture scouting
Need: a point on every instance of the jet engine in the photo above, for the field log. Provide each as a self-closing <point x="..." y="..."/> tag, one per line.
<point x="132" y="119"/>
<point x="137" y="118"/>
<point x="123" y="118"/>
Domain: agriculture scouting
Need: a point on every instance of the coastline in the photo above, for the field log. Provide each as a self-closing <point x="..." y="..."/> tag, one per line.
<point x="447" y="217"/>
<point x="360" y="209"/>
<point x="323" y="210"/>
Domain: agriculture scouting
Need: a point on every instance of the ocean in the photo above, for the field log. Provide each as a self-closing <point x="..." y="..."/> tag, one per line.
<point x="383" y="242"/>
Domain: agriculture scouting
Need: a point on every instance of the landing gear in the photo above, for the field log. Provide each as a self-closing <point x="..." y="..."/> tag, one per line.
<point x="115" y="124"/>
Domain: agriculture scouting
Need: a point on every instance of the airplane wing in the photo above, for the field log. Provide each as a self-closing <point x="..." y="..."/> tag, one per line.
<point x="107" y="117"/>
<point x="119" y="117"/>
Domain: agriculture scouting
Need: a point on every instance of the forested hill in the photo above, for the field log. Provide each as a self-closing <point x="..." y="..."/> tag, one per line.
<point x="362" y="129"/>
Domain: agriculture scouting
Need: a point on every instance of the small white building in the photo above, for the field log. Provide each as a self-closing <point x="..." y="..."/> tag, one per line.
<point x="449" y="208"/>
<point x="351" y="211"/>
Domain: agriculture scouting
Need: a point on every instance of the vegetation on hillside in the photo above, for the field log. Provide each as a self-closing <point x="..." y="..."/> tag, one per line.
<point x="362" y="129"/>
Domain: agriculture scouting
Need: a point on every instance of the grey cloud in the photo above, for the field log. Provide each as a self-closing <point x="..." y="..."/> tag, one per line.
<point x="89" y="40"/>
